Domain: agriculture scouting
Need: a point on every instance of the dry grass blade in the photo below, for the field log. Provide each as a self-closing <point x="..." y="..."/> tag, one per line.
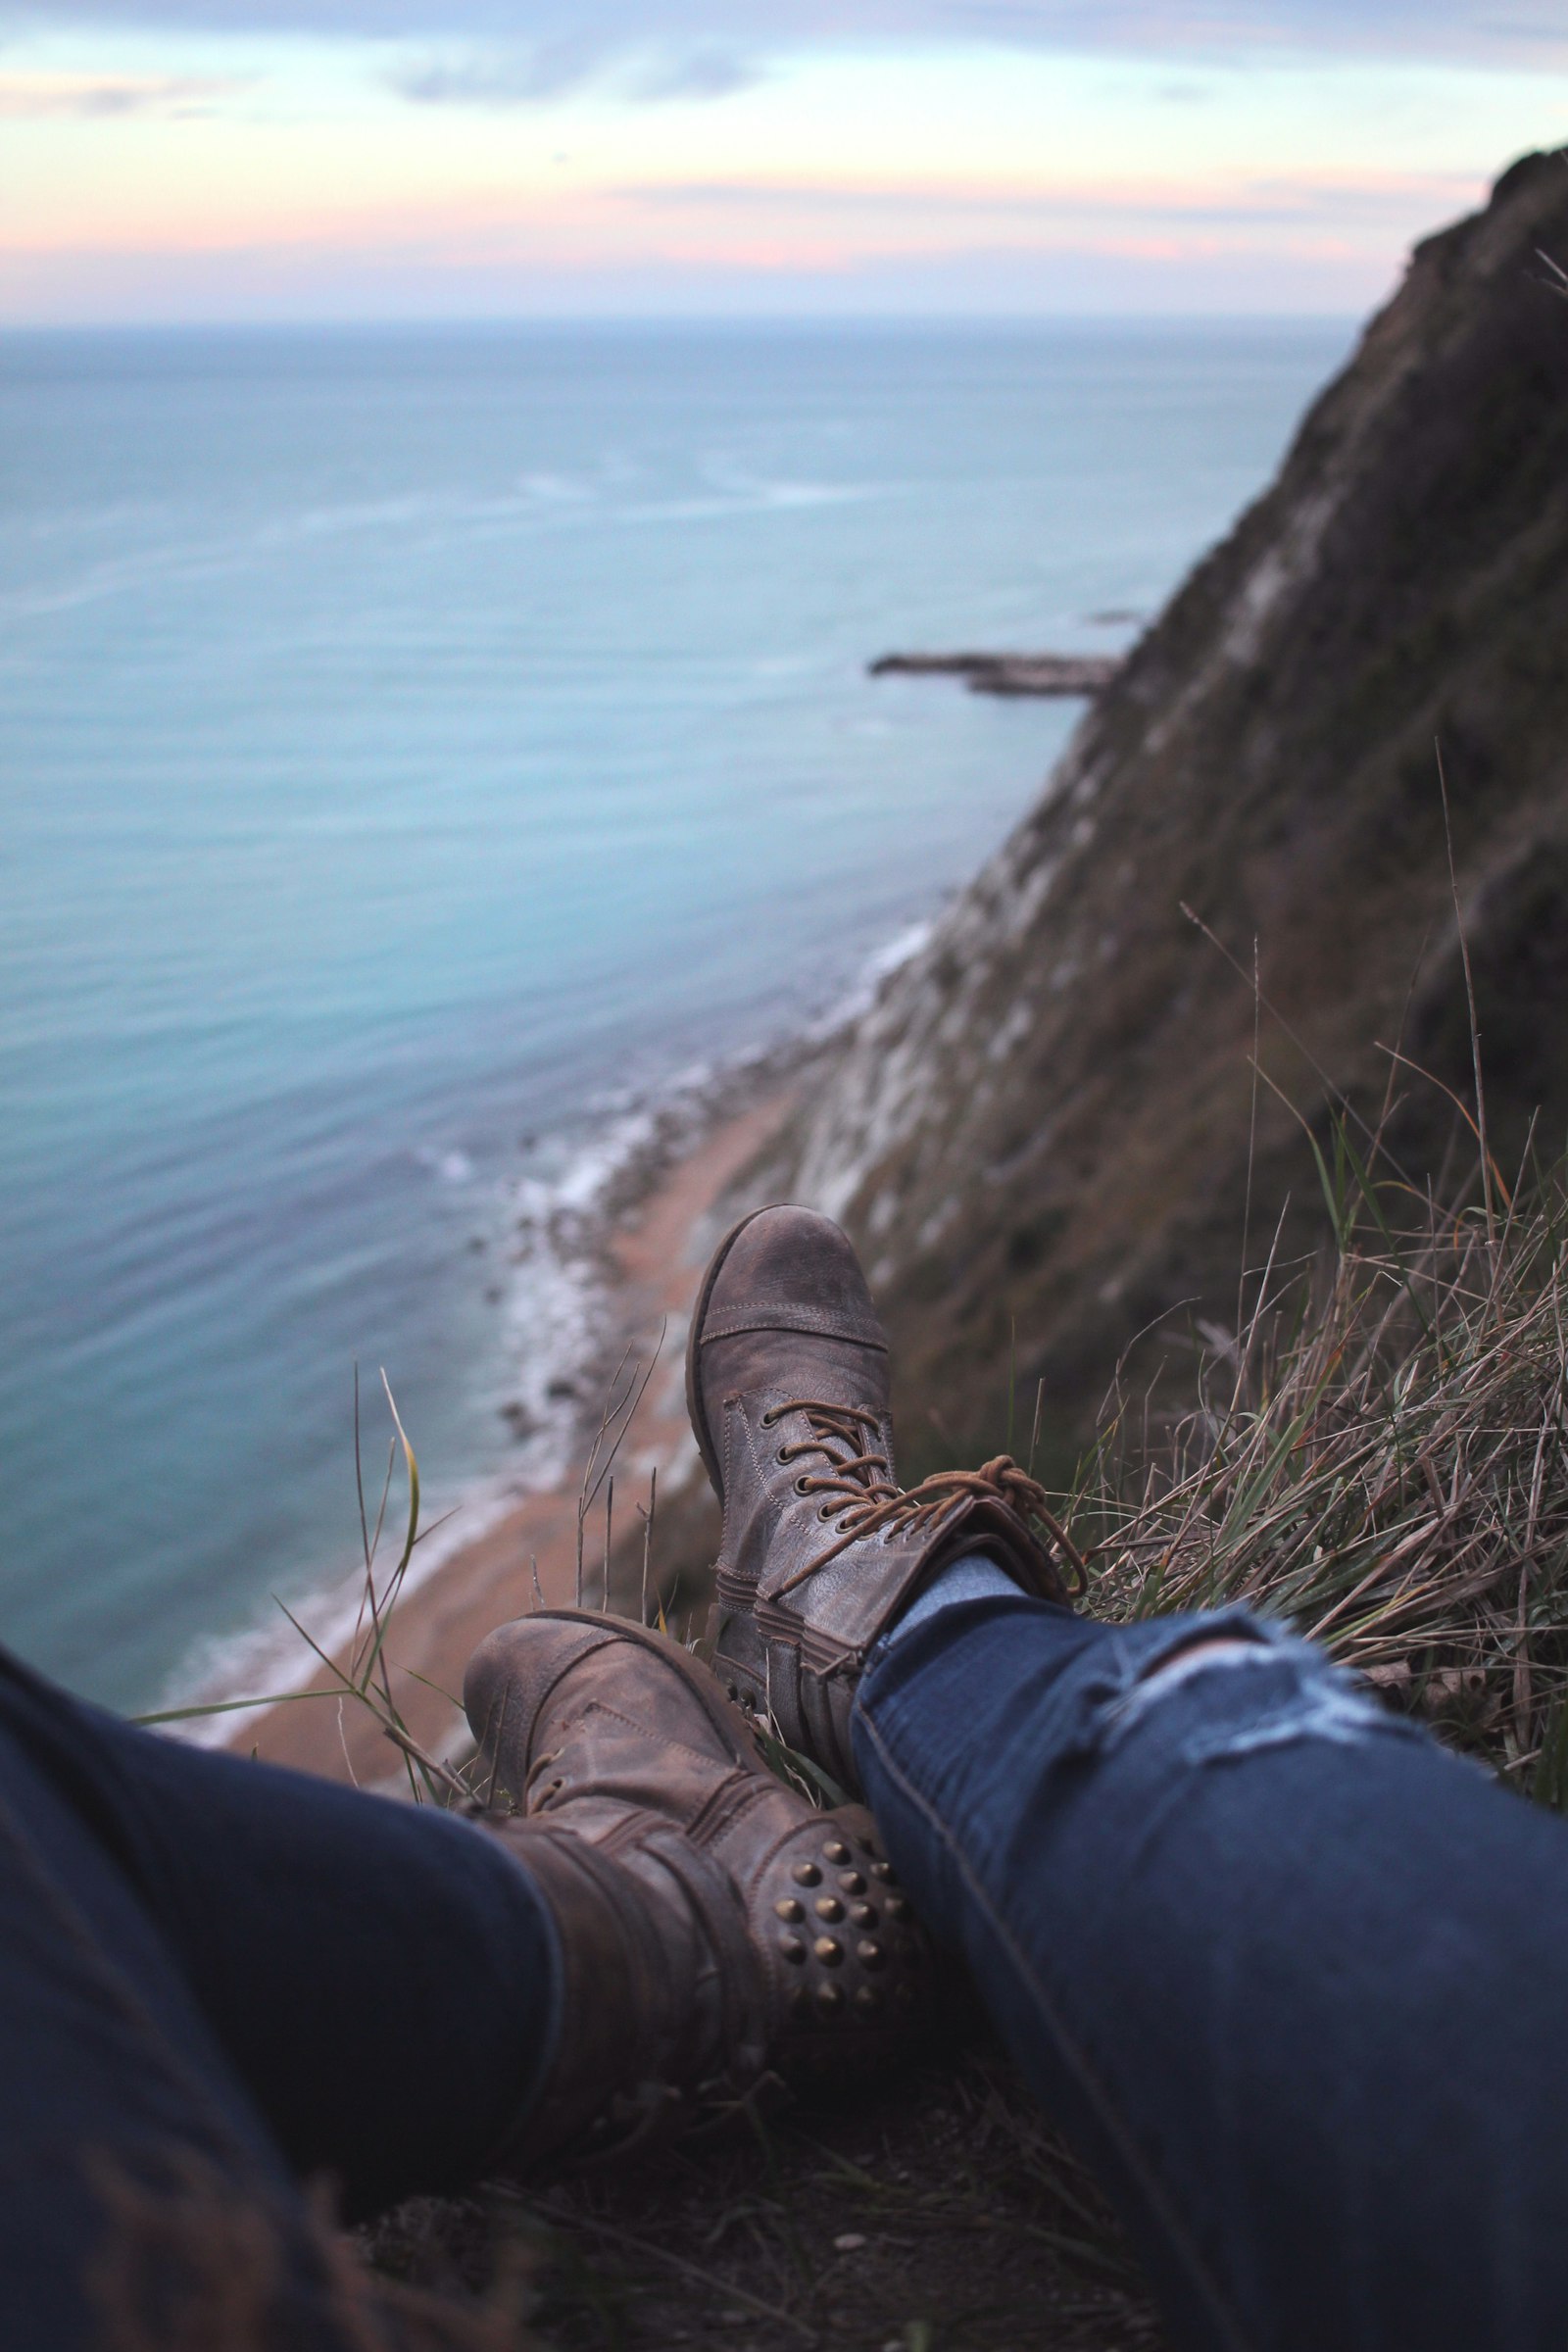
<point x="647" y="1518"/>
<point x="734" y="2293"/>
<point x="1470" y="1003"/>
<point x="614" y="1420"/>
<point x="1389" y="1470"/>
<point x="366" y="1679"/>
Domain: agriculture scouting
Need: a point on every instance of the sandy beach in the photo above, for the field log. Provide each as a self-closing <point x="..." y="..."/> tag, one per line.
<point x="658" y="1252"/>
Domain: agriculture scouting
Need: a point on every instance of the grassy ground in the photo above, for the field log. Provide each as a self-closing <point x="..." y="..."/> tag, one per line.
<point x="1378" y="1454"/>
<point x="938" y="2212"/>
<point x="1376" y="1451"/>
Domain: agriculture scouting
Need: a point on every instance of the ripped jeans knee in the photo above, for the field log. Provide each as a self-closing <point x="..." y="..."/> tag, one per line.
<point x="1245" y="1684"/>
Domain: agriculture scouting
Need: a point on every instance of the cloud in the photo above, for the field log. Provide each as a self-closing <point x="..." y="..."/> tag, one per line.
<point x="1495" y="32"/>
<point x="545" y="69"/>
<point x="462" y="277"/>
<point x="701" y="73"/>
<point x="29" y="97"/>
<point x="1246" y="204"/>
<point x="498" y="76"/>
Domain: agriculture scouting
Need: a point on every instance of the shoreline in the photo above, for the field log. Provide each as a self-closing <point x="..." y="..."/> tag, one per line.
<point x="657" y="1225"/>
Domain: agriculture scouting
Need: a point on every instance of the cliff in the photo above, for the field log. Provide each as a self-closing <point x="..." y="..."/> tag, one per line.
<point x="1042" y="1122"/>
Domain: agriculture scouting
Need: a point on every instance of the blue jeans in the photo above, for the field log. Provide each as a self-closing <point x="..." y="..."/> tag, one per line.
<point x="216" y="1978"/>
<point x="1294" y="1979"/>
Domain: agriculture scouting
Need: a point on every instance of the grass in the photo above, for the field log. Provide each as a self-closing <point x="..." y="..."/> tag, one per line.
<point x="1376" y="1454"/>
<point x="364" y="1675"/>
<point x="935" y="2212"/>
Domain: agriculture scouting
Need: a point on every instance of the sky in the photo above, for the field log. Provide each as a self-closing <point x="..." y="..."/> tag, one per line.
<point x="274" y="160"/>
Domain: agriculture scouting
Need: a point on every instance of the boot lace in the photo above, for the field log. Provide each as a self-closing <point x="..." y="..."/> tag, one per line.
<point x="860" y="1498"/>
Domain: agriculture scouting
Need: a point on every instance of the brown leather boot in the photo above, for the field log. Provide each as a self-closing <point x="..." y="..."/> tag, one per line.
<point x="715" y="1929"/>
<point x="786" y="1386"/>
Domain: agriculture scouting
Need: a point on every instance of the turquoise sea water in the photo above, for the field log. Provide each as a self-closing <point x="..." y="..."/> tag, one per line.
<point x="409" y="745"/>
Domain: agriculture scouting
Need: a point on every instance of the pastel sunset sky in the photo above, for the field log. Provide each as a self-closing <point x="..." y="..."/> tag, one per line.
<point x="167" y="160"/>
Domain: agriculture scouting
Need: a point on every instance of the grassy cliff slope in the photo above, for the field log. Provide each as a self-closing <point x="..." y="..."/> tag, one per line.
<point x="1044" y="1122"/>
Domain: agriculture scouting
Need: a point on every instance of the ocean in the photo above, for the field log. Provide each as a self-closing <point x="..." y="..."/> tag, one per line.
<point x="422" y="749"/>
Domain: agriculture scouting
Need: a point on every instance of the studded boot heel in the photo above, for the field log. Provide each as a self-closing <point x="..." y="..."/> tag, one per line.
<point x="714" y="1928"/>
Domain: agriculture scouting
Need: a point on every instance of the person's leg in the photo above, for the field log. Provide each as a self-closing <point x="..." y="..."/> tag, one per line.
<point x="216" y="1976"/>
<point x="1293" y="1978"/>
<point x="381" y="1976"/>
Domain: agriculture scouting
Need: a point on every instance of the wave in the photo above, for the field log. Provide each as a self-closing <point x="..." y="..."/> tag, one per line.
<point x="543" y="500"/>
<point x="863" y="990"/>
<point x="740" y="496"/>
<point x="269" y="1659"/>
<point x="560" y="1310"/>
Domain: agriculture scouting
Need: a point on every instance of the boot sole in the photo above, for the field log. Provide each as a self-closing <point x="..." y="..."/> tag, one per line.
<point x="694" y="1340"/>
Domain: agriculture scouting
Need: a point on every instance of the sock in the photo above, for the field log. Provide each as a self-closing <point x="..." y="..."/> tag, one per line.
<point x="965" y="1579"/>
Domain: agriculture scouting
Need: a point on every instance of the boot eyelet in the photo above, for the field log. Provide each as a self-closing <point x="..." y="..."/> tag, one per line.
<point x="825" y="1510"/>
<point x="801" y="1485"/>
<point x="783" y="1454"/>
<point x="769" y="1417"/>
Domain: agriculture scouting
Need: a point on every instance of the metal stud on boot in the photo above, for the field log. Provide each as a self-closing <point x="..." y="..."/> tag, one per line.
<point x="714" y="1928"/>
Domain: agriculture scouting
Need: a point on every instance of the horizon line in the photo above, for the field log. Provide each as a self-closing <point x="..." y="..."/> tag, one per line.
<point x="415" y="323"/>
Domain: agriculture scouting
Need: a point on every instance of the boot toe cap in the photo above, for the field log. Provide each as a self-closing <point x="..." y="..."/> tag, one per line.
<point x="791" y="1257"/>
<point x="510" y="1678"/>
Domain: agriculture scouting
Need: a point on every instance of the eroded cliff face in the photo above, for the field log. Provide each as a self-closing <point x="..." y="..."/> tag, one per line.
<point x="1042" y="1122"/>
